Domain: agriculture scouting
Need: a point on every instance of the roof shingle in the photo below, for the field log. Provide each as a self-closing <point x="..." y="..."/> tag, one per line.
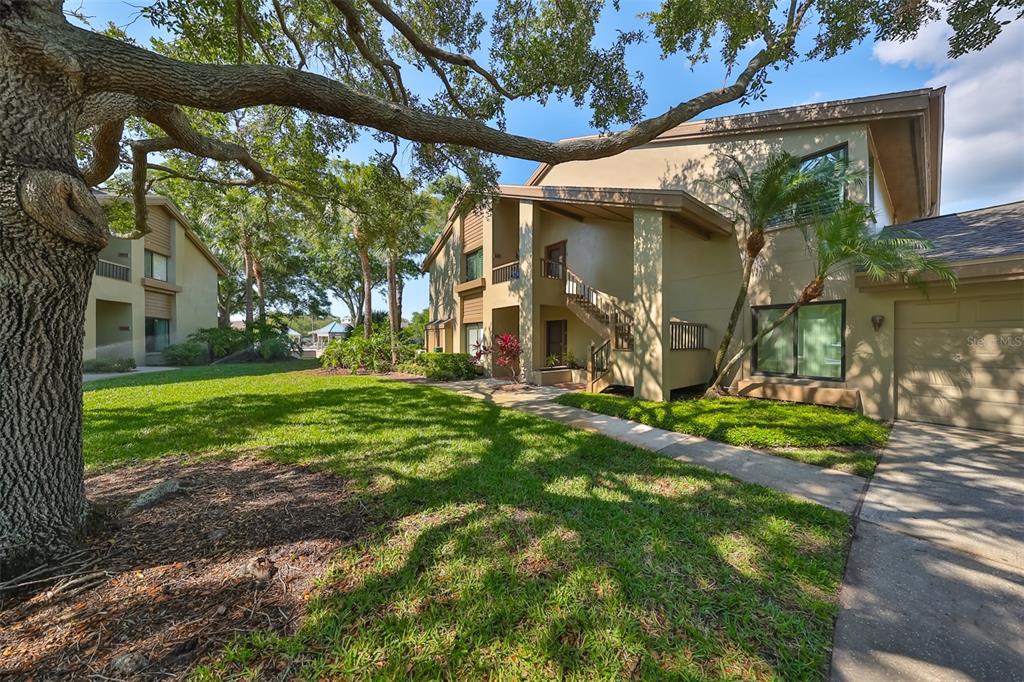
<point x="982" y="233"/>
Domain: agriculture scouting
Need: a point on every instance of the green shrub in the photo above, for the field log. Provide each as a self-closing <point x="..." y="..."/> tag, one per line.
<point x="441" y="366"/>
<point x="222" y="341"/>
<point x="360" y="353"/>
<point x="275" y="348"/>
<point x="187" y="353"/>
<point x="100" y="365"/>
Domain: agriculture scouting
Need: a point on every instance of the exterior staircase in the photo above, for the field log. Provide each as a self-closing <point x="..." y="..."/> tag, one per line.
<point x="600" y="312"/>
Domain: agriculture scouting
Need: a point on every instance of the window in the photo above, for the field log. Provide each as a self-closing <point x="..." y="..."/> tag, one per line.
<point x="474" y="336"/>
<point x="810" y="344"/>
<point x="158" y="334"/>
<point x="474" y="264"/>
<point x="156" y="266"/>
<point x="825" y="162"/>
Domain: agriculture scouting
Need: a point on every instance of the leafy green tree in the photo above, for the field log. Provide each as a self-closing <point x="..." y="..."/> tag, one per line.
<point x="337" y="67"/>
<point x="842" y="241"/>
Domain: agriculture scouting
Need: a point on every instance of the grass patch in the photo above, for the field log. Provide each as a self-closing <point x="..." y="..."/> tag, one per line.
<point x="803" y="430"/>
<point x="853" y="461"/>
<point x="504" y="545"/>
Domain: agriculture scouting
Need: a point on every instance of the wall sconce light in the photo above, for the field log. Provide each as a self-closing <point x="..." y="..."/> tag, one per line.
<point x="876" y="321"/>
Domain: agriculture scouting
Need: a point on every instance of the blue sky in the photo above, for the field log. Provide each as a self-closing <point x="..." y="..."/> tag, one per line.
<point x="984" y="140"/>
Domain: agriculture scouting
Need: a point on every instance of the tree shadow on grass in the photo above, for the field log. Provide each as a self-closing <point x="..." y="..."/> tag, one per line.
<point x="508" y="545"/>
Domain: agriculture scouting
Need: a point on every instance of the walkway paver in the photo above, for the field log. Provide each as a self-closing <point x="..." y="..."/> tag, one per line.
<point x="934" y="586"/>
<point x="833" y="489"/>
<point x="96" y="376"/>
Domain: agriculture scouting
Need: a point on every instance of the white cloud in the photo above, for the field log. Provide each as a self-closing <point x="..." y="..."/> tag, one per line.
<point x="983" y="155"/>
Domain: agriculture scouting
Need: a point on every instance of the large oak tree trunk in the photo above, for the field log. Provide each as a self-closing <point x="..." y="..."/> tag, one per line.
<point x="51" y="230"/>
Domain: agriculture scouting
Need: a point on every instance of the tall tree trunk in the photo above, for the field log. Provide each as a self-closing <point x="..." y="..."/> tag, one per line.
<point x="261" y="299"/>
<point x="364" y="262"/>
<point x="752" y="249"/>
<point x="394" y="314"/>
<point x="247" y="292"/>
<point x="51" y="231"/>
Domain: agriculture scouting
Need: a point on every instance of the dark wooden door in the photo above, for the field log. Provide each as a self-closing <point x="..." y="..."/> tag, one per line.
<point x="557" y="339"/>
<point x="554" y="256"/>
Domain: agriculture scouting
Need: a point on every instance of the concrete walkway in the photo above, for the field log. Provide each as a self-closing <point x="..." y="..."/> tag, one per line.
<point x="96" y="376"/>
<point x="833" y="489"/>
<point x="934" y="586"/>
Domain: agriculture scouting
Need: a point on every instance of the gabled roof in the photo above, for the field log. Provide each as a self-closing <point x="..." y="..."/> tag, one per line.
<point x="906" y="130"/>
<point x="172" y="208"/>
<point x="992" y="232"/>
<point x="333" y="328"/>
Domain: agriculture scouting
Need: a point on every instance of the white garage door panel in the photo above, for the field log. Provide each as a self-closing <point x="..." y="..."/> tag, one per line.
<point x="961" y="362"/>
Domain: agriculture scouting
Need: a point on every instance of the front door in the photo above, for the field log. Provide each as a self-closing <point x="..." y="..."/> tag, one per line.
<point x="557" y="341"/>
<point x="554" y="257"/>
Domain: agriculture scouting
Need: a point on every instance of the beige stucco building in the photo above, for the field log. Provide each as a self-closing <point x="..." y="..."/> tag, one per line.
<point x="151" y="292"/>
<point x="628" y="267"/>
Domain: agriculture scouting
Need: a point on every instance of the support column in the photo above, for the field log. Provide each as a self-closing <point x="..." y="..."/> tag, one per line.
<point x="651" y="318"/>
<point x="529" y="307"/>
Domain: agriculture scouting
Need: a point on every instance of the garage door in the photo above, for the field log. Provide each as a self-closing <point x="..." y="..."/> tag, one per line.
<point x="961" y="362"/>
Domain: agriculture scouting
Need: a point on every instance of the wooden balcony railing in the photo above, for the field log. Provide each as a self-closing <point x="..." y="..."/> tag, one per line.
<point x="686" y="335"/>
<point x="106" y="268"/>
<point x="552" y="269"/>
<point x="505" y="273"/>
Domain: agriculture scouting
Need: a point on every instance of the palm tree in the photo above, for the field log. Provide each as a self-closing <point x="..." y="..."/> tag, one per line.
<point x="761" y="198"/>
<point x="841" y="240"/>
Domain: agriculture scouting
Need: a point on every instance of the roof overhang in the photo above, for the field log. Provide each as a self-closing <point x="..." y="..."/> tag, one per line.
<point x="603" y="203"/>
<point x="618" y="203"/>
<point x="914" y="119"/>
<point x="1006" y="269"/>
<point x="172" y="208"/>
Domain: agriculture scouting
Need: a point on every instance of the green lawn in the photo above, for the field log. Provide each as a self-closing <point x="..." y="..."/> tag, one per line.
<point x="824" y="436"/>
<point x="503" y="545"/>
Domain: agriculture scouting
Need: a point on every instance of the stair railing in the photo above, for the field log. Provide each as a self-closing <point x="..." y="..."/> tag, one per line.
<point x="596" y="302"/>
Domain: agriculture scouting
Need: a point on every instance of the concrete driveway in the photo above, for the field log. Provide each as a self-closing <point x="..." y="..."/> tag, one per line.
<point x="934" y="587"/>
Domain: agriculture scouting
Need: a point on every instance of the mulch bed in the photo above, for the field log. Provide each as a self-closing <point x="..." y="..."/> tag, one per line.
<point x="236" y="549"/>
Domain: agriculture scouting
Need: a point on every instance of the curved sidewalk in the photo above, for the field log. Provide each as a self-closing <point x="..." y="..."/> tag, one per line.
<point x="833" y="489"/>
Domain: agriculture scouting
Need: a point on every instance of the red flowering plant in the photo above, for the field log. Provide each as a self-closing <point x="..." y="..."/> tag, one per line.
<point x="509" y="351"/>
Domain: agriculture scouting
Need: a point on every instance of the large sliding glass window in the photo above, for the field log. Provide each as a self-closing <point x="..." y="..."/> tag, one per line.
<point x="810" y="344"/>
<point x="158" y="334"/>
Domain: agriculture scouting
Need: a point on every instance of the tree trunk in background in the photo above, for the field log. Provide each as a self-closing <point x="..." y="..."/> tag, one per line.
<point x="261" y="299"/>
<point x="247" y="294"/>
<point x="394" y="316"/>
<point x="364" y="262"/>
<point x="401" y="292"/>
<point x="51" y="231"/>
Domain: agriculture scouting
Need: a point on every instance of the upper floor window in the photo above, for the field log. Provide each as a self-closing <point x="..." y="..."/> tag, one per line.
<point x="827" y="163"/>
<point x="474" y="264"/>
<point x="156" y="266"/>
<point x="809" y="344"/>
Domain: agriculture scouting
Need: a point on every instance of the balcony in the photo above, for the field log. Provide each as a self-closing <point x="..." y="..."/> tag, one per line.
<point x="505" y="272"/>
<point x="106" y="268"/>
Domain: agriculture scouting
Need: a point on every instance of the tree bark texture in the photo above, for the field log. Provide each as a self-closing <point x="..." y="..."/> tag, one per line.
<point x="247" y="294"/>
<point x="364" y="263"/>
<point x="51" y="230"/>
<point x="394" y="315"/>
